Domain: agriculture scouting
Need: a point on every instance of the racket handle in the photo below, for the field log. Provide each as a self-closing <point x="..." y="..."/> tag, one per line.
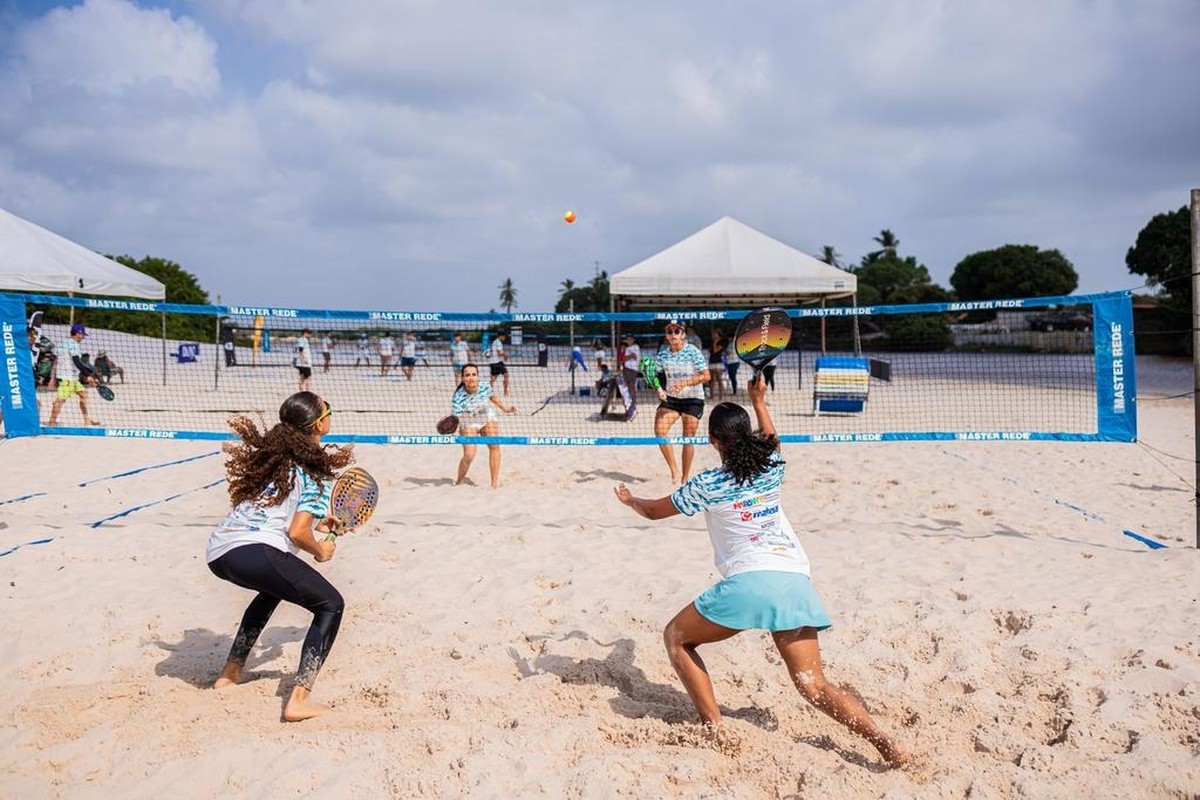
<point x="331" y="537"/>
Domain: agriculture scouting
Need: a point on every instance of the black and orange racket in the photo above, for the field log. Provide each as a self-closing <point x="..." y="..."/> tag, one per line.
<point x="353" y="500"/>
<point x="761" y="336"/>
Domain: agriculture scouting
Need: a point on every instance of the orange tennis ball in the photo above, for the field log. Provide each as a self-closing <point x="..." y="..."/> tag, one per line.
<point x="569" y="217"/>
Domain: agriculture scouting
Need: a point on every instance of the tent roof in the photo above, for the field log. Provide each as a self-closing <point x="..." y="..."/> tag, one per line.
<point x="729" y="263"/>
<point x="32" y="259"/>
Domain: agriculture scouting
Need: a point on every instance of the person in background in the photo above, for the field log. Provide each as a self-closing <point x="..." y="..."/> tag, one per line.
<point x="363" y="348"/>
<point x="631" y="360"/>
<point x="765" y="581"/>
<point x="74" y="376"/>
<point x="460" y="355"/>
<point x="599" y="353"/>
<point x="106" y="367"/>
<point x="408" y="354"/>
<point x="496" y="365"/>
<point x="304" y="359"/>
<point x="681" y="396"/>
<point x="326" y="350"/>
<point x="387" y="353"/>
<point x="716" y="363"/>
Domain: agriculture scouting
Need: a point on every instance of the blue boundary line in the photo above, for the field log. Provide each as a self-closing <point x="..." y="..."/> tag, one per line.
<point x="132" y="509"/>
<point x="1146" y="540"/>
<point x="17" y="547"/>
<point x="22" y="497"/>
<point x="152" y="466"/>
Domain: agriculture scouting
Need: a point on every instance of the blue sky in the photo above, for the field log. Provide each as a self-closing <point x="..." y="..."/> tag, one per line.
<point x="394" y="154"/>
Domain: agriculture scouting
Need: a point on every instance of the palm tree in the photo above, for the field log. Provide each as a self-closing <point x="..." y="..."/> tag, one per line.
<point x="831" y="257"/>
<point x="568" y="286"/>
<point x="888" y="244"/>
<point x="508" y="295"/>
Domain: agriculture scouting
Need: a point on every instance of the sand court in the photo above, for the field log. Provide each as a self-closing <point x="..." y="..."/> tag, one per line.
<point x="987" y="607"/>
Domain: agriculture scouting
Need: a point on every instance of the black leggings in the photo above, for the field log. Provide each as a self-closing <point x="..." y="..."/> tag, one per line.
<point x="276" y="576"/>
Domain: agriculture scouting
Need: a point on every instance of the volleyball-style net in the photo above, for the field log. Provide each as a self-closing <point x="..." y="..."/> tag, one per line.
<point x="1040" y="368"/>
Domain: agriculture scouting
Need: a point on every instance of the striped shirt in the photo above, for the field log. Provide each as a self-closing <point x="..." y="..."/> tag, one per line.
<point x="249" y="522"/>
<point x="681" y="366"/>
<point x="746" y="523"/>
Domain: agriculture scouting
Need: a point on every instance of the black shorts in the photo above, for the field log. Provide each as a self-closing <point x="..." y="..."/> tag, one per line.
<point x="407" y="362"/>
<point x="690" y="406"/>
<point x="305" y="372"/>
<point x="497" y="369"/>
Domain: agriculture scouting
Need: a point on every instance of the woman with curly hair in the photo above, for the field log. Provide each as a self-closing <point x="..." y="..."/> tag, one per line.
<point x="279" y="484"/>
<point x="764" y="570"/>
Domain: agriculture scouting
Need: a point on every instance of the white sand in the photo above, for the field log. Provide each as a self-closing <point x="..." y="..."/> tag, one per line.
<point x="987" y="607"/>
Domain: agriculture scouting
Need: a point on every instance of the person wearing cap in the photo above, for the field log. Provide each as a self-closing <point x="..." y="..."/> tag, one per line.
<point x="681" y="396"/>
<point x="73" y="375"/>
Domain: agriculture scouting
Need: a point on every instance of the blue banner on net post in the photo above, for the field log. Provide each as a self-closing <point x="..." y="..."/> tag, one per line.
<point x="19" y="402"/>
<point x="1116" y="376"/>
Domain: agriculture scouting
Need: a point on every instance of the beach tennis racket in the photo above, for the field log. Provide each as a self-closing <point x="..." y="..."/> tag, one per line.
<point x="761" y="336"/>
<point x="353" y="500"/>
<point x="105" y="392"/>
<point x="649" y="369"/>
<point x="447" y="425"/>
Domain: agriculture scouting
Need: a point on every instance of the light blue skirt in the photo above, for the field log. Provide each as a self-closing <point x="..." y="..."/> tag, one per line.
<point x="773" y="601"/>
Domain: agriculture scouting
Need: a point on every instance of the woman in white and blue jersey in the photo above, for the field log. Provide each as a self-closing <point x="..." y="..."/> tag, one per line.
<point x="279" y="484"/>
<point x="681" y="395"/>
<point x="475" y="406"/>
<point x="764" y="571"/>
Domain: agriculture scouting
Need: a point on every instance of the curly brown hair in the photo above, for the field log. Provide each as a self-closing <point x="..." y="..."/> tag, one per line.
<point x="261" y="460"/>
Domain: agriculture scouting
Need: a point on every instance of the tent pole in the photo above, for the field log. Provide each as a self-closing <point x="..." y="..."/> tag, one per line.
<point x="857" y="340"/>
<point x="217" y="351"/>
<point x="164" y="341"/>
<point x="823" y="328"/>
<point x="571" y="344"/>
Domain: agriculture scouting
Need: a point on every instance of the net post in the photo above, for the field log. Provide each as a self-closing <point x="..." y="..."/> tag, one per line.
<point x="1196" y="349"/>
<point x="164" y="341"/>
<point x="217" y="350"/>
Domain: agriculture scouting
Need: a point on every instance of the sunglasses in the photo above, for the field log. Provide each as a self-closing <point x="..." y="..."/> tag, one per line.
<point x="328" y="410"/>
<point x="674" y="332"/>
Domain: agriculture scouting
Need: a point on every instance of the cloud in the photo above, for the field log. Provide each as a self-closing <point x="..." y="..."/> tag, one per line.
<point x="423" y="153"/>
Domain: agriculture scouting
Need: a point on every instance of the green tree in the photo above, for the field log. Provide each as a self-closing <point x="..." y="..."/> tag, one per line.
<point x="888" y="243"/>
<point x="885" y="278"/>
<point x="181" y="286"/>
<point x="1163" y="254"/>
<point x="831" y="257"/>
<point x="566" y="287"/>
<point x="1011" y="271"/>
<point x="508" y="295"/>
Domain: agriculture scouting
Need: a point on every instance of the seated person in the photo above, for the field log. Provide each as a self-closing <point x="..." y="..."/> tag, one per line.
<point x="606" y="377"/>
<point x="106" y="367"/>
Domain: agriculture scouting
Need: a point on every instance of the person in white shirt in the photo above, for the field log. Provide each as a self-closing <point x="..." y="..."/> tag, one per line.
<point x="496" y="365"/>
<point x="280" y="482"/>
<point x="631" y="361"/>
<point x="764" y="570"/>
<point x="326" y="350"/>
<point x="304" y="359"/>
<point x="460" y="355"/>
<point x="74" y="376"/>
<point x="408" y="355"/>
<point x="387" y="353"/>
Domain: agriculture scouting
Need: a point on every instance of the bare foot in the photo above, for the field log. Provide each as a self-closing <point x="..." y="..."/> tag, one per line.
<point x="230" y="675"/>
<point x="299" y="707"/>
<point x="893" y="754"/>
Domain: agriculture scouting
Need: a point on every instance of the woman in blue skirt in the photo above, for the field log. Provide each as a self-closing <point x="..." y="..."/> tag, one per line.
<point x="765" y="574"/>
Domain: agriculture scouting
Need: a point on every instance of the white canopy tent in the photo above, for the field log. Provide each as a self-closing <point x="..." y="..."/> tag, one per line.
<point x="33" y="259"/>
<point x="729" y="264"/>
